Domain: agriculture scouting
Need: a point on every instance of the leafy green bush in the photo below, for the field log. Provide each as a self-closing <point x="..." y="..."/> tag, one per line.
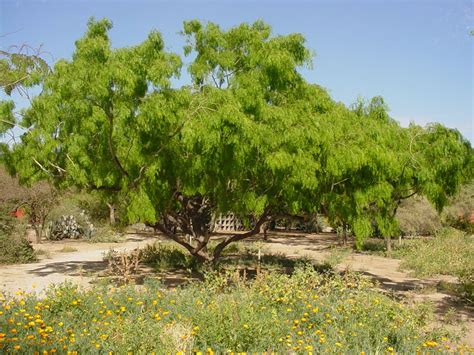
<point x="170" y="256"/>
<point x="302" y="313"/>
<point x="164" y="256"/>
<point x="15" y="249"/>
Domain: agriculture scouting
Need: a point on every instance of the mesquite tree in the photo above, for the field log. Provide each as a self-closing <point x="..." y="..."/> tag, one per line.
<point x="247" y="135"/>
<point x="393" y="164"/>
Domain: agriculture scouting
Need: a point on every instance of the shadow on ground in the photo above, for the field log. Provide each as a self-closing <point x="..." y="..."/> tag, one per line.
<point x="70" y="268"/>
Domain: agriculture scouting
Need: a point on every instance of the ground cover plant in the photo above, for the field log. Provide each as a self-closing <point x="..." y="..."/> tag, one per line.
<point x="306" y="312"/>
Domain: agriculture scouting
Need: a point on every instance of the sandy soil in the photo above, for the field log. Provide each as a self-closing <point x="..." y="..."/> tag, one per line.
<point x="81" y="266"/>
<point x="85" y="265"/>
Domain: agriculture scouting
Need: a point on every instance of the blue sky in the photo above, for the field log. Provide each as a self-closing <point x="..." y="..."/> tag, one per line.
<point x="417" y="54"/>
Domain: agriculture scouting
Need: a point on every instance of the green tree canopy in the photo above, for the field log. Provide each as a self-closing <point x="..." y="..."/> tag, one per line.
<point x="247" y="135"/>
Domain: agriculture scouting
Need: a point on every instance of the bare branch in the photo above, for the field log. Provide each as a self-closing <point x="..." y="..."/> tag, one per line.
<point x="41" y="166"/>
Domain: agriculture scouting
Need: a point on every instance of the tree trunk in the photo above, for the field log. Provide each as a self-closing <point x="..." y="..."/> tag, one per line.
<point x="111" y="213"/>
<point x="265" y="217"/>
<point x="38" y="232"/>
<point x="264" y="229"/>
<point x="344" y="234"/>
<point x="388" y="245"/>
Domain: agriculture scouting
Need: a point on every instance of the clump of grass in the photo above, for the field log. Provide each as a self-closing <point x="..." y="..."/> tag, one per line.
<point x="43" y="252"/>
<point x="105" y="234"/>
<point x="449" y="252"/>
<point x="67" y="249"/>
<point x="299" y="313"/>
<point x="168" y="256"/>
<point x="336" y="256"/>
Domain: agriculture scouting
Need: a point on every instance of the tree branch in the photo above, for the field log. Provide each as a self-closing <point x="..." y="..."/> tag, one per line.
<point x="265" y="217"/>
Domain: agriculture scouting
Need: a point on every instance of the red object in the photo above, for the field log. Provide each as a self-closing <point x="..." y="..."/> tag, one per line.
<point x="18" y="213"/>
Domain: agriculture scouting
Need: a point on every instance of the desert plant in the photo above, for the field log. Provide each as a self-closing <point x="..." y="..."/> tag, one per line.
<point x="416" y="216"/>
<point x="68" y="227"/>
<point x="123" y="264"/>
<point x="15" y="249"/>
<point x="460" y="211"/>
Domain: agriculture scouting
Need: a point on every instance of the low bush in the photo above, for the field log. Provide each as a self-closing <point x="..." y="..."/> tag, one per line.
<point x="164" y="256"/>
<point x="105" y="234"/>
<point x="169" y="255"/>
<point x="416" y="216"/>
<point x="302" y="313"/>
<point x="15" y="249"/>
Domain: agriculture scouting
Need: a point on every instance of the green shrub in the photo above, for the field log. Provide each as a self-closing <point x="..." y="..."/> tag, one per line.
<point x="302" y="313"/>
<point x="165" y="256"/>
<point x="15" y="249"/>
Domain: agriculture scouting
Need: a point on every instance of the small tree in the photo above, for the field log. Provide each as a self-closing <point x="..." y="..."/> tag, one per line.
<point x="36" y="200"/>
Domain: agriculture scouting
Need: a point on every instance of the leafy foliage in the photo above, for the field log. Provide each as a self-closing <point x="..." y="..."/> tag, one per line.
<point x="248" y="135"/>
<point x="16" y="249"/>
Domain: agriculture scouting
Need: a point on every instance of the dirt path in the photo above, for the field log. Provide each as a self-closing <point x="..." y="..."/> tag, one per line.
<point x="55" y="266"/>
<point x="84" y="264"/>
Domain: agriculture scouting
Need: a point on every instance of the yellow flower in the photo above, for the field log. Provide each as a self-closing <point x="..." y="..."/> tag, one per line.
<point x="246" y="326"/>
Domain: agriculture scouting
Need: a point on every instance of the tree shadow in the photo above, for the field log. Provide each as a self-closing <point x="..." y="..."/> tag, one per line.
<point x="400" y="286"/>
<point x="443" y="304"/>
<point x="70" y="268"/>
